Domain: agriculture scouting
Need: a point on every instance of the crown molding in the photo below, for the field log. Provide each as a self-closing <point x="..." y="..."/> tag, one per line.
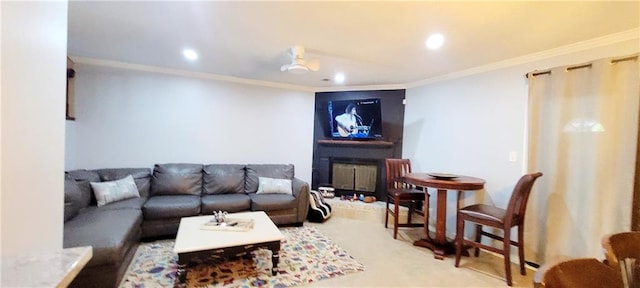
<point x="218" y="77"/>
<point x="184" y="73"/>
<point x="563" y="50"/>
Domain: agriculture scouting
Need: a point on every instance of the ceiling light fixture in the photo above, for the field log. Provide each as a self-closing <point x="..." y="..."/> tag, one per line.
<point x="339" y="78"/>
<point x="190" y="54"/>
<point x="435" y="41"/>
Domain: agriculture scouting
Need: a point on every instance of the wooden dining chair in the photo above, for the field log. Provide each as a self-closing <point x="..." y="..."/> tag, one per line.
<point x="505" y="219"/>
<point x="577" y="273"/>
<point x="619" y="246"/>
<point x="622" y="251"/>
<point x="399" y="192"/>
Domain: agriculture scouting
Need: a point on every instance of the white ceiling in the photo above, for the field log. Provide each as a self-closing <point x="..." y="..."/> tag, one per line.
<point x="373" y="43"/>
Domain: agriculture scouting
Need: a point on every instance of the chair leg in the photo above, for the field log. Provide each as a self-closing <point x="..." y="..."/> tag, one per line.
<point x="478" y="238"/>
<point x="411" y="203"/>
<point x="459" y="239"/>
<point x="395" y="217"/>
<point x="386" y="217"/>
<point x="507" y="254"/>
<point x="521" y="249"/>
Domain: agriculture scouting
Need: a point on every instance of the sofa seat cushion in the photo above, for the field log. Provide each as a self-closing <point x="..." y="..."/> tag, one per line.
<point x="160" y="228"/>
<point x="110" y="232"/>
<point x="272" y="202"/>
<point x="171" y="206"/>
<point x="225" y="202"/>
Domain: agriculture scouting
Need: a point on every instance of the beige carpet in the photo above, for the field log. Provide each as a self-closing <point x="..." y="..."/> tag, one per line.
<point x="397" y="263"/>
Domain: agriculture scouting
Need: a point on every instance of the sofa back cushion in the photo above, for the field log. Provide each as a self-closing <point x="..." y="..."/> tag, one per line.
<point x="73" y="200"/>
<point x="83" y="179"/>
<point x="142" y="177"/>
<point x="176" y="179"/>
<point x="223" y="179"/>
<point x="277" y="171"/>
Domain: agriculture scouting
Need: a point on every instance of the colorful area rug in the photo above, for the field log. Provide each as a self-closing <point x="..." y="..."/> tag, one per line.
<point x="305" y="256"/>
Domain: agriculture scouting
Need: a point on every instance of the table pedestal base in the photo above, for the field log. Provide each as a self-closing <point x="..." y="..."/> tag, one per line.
<point x="440" y="250"/>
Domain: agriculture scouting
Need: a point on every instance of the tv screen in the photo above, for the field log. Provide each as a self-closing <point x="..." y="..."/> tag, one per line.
<point x="355" y="119"/>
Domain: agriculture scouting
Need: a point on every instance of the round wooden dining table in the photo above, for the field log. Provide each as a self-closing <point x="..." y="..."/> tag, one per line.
<point x="440" y="245"/>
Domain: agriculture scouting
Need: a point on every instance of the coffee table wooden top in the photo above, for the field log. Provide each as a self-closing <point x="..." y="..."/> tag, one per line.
<point x="191" y="238"/>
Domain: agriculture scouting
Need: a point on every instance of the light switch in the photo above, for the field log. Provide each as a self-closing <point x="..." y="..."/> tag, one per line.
<point x="513" y="156"/>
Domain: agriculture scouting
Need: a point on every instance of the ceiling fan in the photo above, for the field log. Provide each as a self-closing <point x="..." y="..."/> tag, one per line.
<point x="298" y="64"/>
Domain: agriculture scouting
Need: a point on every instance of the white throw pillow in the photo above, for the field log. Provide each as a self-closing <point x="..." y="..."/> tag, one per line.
<point x="112" y="191"/>
<point x="274" y="186"/>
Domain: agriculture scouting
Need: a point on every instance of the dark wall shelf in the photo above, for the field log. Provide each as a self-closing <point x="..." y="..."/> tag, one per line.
<point x="370" y="143"/>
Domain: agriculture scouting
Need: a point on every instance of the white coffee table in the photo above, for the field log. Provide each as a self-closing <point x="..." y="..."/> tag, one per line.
<point x="197" y="245"/>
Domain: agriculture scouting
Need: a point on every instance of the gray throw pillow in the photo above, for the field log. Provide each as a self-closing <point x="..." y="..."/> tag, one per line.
<point x="112" y="191"/>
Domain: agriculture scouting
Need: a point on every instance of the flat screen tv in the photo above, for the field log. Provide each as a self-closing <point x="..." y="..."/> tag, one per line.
<point x="355" y="119"/>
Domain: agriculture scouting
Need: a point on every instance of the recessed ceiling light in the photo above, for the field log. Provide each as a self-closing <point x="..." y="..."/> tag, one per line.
<point x="435" y="41"/>
<point x="190" y="54"/>
<point x="339" y="78"/>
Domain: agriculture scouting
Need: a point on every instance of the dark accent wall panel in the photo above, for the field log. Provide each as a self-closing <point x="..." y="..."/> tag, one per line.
<point x="325" y="152"/>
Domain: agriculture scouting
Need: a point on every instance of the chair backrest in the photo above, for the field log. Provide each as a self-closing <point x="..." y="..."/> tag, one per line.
<point x="395" y="170"/>
<point x="622" y="245"/>
<point x="582" y="272"/>
<point x="520" y="196"/>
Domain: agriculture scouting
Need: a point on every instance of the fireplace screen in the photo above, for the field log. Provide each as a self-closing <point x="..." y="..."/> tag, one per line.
<point x="358" y="177"/>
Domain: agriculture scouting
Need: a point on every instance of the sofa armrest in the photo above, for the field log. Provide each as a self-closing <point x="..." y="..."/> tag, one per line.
<point x="301" y="192"/>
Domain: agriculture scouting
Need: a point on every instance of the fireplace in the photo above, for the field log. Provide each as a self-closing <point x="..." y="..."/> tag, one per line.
<point x="328" y="150"/>
<point x="352" y="167"/>
<point x="354" y="177"/>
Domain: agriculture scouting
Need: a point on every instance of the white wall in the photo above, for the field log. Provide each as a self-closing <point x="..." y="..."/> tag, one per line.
<point x="127" y="118"/>
<point x="34" y="50"/>
<point x="470" y="125"/>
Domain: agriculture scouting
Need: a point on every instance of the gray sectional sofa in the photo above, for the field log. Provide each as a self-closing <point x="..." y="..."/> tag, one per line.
<point x="167" y="193"/>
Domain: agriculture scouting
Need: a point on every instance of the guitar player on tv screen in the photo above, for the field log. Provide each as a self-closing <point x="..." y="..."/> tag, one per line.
<point x="349" y="123"/>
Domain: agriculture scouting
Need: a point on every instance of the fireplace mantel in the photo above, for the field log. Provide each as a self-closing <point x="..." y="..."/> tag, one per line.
<point x="369" y="143"/>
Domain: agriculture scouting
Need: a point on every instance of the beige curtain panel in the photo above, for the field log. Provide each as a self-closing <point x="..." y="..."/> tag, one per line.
<point x="583" y="127"/>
